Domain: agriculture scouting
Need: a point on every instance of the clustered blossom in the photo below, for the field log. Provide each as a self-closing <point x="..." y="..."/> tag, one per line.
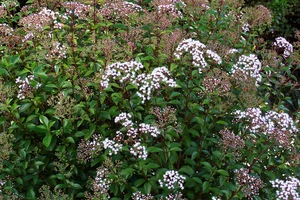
<point x="101" y="182"/>
<point x="230" y="141"/>
<point x="147" y="128"/>
<point x="124" y="119"/>
<point x="24" y="86"/>
<point x="278" y="126"/>
<point x="123" y="71"/>
<point x="5" y="30"/>
<point x="283" y="46"/>
<point x="113" y="146"/>
<point x="37" y="21"/>
<point x="3" y="11"/>
<point x="288" y="189"/>
<point x="217" y="83"/>
<point x="58" y="51"/>
<point x="119" y="9"/>
<point x="148" y="82"/>
<point x="78" y="9"/>
<point x="198" y="51"/>
<point x="88" y="149"/>
<point x="250" y="66"/>
<point x="140" y="196"/>
<point x="139" y="151"/>
<point x="172" y="179"/>
<point x="176" y="196"/>
<point x="250" y="184"/>
<point x="233" y="51"/>
<point x="170" y="9"/>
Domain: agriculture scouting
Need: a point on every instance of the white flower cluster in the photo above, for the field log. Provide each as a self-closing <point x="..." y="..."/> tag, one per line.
<point x="278" y="126"/>
<point x="113" y="147"/>
<point x="101" y="182"/>
<point x="170" y="9"/>
<point x="25" y="87"/>
<point x="148" y="82"/>
<point x="233" y="51"/>
<point x="198" y="51"/>
<point x="283" y="45"/>
<point x="172" y="179"/>
<point x="288" y="189"/>
<point x="123" y="71"/>
<point x="147" y="128"/>
<point x="248" y="65"/>
<point x="139" y="151"/>
<point x="78" y="9"/>
<point x="140" y="196"/>
<point x="119" y="9"/>
<point x="124" y="119"/>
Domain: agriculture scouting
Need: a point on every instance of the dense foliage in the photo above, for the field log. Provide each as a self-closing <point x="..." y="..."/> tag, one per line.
<point x="161" y="99"/>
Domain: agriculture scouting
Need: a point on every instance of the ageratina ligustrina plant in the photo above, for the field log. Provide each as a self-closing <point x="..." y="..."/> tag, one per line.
<point x="162" y="99"/>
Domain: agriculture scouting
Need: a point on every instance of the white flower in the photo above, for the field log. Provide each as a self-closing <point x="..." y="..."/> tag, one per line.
<point x="113" y="147"/>
<point x="172" y="179"/>
<point x="139" y="151"/>
<point x="287" y="189"/>
<point x="282" y="44"/>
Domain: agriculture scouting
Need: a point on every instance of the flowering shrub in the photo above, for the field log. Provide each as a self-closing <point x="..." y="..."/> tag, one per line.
<point x="162" y="99"/>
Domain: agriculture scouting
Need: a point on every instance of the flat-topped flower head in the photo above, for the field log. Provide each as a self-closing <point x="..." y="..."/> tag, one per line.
<point x="283" y="47"/>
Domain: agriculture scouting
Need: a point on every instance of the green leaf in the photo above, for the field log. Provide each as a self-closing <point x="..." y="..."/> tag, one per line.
<point x="44" y="120"/>
<point x="207" y="166"/>
<point x="70" y="140"/>
<point x="222" y="122"/>
<point x="147" y="187"/>
<point x="154" y="149"/>
<point x="206" y="187"/>
<point x="139" y="182"/>
<point x="47" y="140"/>
<point x="104" y="115"/>
<point x="25" y="107"/>
<point x="223" y="172"/>
<point x="3" y="71"/>
<point x="187" y="170"/>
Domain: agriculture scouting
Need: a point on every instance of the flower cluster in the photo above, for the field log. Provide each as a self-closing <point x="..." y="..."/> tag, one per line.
<point x="148" y="82"/>
<point x="37" y="21"/>
<point x="288" y="189"/>
<point x="140" y="196"/>
<point x="25" y="87"/>
<point x="278" y="126"/>
<point x="172" y="179"/>
<point x="78" y="9"/>
<point x="119" y="9"/>
<point x="217" y="83"/>
<point x="250" y="184"/>
<point x="248" y="65"/>
<point x="123" y="71"/>
<point x="198" y="51"/>
<point x="230" y="141"/>
<point x="174" y="196"/>
<point x="139" y="151"/>
<point x="88" y="149"/>
<point x="5" y="30"/>
<point x="147" y="128"/>
<point x="283" y="46"/>
<point x="170" y="8"/>
<point x="58" y="51"/>
<point x="113" y="147"/>
<point x="124" y="119"/>
<point x="101" y="182"/>
<point x="3" y="11"/>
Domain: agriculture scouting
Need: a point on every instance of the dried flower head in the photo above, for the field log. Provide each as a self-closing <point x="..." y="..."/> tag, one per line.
<point x="102" y="182"/>
<point x="81" y="11"/>
<point x="249" y="183"/>
<point x="217" y="83"/>
<point x="119" y="9"/>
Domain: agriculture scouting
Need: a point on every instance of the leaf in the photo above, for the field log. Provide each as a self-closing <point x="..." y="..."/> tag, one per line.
<point x="47" y="140"/>
<point x="3" y="71"/>
<point x="222" y="122"/>
<point x="187" y="170"/>
<point x="25" y="107"/>
<point x="70" y="140"/>
<point x="139" y="182"/>
<point x="154" y="149"/>
<point x="44" y="120"/>
<point x="147" y="187"/>
<point x="205" y="187"/>
<point x="223" y="172"/>
<point x="207" y="166"/>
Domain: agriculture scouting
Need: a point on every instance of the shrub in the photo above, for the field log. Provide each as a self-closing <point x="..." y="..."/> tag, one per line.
<point x="162" y="99"/>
